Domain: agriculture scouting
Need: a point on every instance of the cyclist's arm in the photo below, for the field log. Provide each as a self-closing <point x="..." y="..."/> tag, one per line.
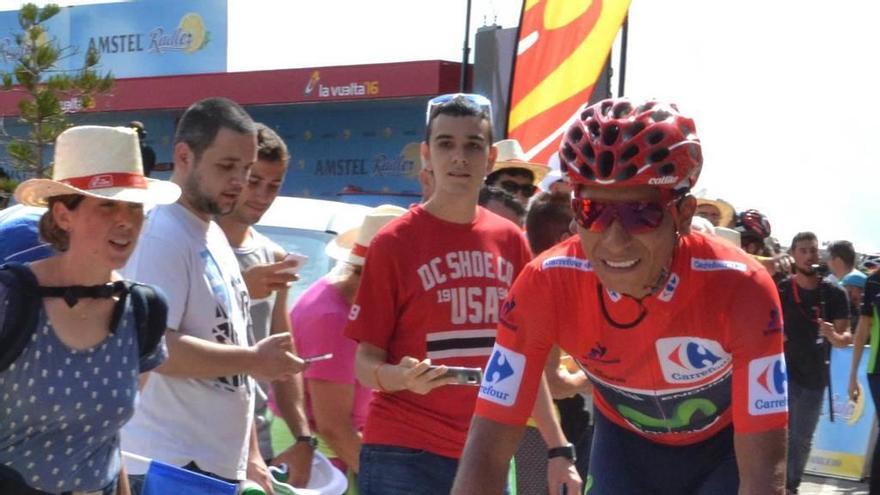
<point x="487" y="453"/>
<point x="760" y="458"/>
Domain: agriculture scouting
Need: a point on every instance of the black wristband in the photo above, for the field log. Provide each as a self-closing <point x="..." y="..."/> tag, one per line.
<point x="566" y="451"/>
<point x="312" y="441"/>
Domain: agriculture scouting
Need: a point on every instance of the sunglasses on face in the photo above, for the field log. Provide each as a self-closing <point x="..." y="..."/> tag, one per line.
<point x="478" y="100"/>
<point x="527" y="190"/>
<point x="637" y="217"/>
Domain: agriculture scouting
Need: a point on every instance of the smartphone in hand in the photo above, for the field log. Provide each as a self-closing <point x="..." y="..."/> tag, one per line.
<point x="465" y="376"/>
<point x="300" y="259"/>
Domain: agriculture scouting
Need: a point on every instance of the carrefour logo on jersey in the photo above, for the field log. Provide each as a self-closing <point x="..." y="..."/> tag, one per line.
<point x="691" y="359"/>
<point x="768" y="385"/>
<point x="503" y="376"/>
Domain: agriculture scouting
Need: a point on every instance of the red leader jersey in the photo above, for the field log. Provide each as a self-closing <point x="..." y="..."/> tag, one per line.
<point x="433" y="289"/>
<point x="703" y="351"/>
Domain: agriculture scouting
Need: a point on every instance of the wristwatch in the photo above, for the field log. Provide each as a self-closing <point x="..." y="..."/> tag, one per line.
<point x="566" y="451"/>
<point x="312" y="441"/>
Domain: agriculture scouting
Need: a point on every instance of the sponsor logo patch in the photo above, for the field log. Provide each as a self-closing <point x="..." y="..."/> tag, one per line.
<point x="768" y="385"/>
<point x="567" y="262"/>
<point x="669" y="288"/>
<point x="503" y="376"/>
<point x="656" y="181"/>
<point x="702" y="265"/>
<point x="691" y="359"/>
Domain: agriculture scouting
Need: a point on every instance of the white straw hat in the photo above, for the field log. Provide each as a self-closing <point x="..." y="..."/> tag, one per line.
<point x="102" y="162"/>
<point x="511" y="155"/>
<point x="351" y="245"/>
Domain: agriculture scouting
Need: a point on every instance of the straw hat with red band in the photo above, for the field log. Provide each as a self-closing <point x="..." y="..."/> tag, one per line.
<point x="102" y="162"/>
<point x="511" y="155"/>
<point x="352" y="245"/>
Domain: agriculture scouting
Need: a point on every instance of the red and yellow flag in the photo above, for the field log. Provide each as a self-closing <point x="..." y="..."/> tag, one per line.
<point x="563" y="45"/>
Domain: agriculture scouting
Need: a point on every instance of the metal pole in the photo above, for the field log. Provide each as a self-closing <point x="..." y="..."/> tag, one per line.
<point x="466" y="50"/>
<point x="623" y="38"/>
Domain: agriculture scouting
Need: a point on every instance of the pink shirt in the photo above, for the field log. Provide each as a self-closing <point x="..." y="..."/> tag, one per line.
<point x="318" y="320"/>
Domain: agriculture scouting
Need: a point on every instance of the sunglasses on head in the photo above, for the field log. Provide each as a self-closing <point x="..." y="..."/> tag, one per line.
<point x="478" y="100"/>
<point x="637" y="217"/>
<point x="527" y="190"/>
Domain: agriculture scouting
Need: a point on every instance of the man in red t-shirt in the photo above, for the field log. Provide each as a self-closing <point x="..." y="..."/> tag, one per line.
<point x="430" y="295"/>
<point x="680" y="333"/>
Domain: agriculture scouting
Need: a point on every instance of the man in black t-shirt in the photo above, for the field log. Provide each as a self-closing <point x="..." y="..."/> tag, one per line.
<point x="815" y="317"/>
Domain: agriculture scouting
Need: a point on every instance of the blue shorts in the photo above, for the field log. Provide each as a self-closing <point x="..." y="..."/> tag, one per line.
<point x="623" y="462"/>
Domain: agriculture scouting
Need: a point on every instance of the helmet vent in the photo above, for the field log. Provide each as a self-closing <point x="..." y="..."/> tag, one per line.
<point x="621" y="109"/>
<point x="606" y="105"/>
<point x="660" y="115"/>
<point x="647" y="106"/>
<point x="587" y="172"/>
<point x="606" y="163"/>
<point x="576" y="134"/>
<point x="627" y="172"/>
<point x="655" y="137"/>
<point x="632" y="130"/>
<point x="659" y="155"/>
<point x="588" y="152"/>
<point x="594" y="129"/>
<point x="610" y="134"/>
<point x="568" y="153"/>
<point x="586" y="114"/>
<point x="629" y="153"/>
<point x="667" y="169"/>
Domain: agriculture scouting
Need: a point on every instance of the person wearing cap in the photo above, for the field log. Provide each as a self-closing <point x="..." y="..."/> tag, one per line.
<point x="20" y="237"/>
<point x="679" y="332"/>
<point x="197" y="411"/>
<point x="266" y="272"/>
<point x="74" y="385"/>
<point x="514" y="173"/>
<point x="854" y="285"/>
<point x="429" y="298"/>
<point x="337" y="403"/>
<point x="148" y="155"/>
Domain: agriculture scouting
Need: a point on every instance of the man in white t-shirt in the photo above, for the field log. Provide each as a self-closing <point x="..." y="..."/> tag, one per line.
<point x="267" y="277"/>
<point x="197" y="410"/>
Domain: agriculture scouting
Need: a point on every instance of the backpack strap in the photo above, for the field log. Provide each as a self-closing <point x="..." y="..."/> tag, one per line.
<point x="150" y="314"/>
<point x="22" y="311"/>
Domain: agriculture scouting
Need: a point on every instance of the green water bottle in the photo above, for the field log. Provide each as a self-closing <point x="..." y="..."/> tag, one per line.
<point x="248" y="487"/>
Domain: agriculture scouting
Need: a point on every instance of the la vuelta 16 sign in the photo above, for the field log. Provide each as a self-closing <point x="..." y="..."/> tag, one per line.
<point x="563" y="45"/>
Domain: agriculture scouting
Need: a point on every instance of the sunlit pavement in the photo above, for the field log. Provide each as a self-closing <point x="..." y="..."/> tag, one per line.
<point x="814" y="485"/>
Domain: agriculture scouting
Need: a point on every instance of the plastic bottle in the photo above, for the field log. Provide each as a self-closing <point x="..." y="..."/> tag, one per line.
<point x="248" y="487"/>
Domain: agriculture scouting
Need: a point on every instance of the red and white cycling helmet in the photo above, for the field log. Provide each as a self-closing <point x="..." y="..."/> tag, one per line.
<point x="753" y="222"/>
<point x="619" y="143"/>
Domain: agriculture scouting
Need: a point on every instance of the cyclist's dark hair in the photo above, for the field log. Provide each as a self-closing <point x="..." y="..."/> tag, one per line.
<point x="843" y="250"/>
<point x="549" y="217"/>
<point x="803" y="236"/>
<point x="270" y="146"/>
<point x="200" y="123"/>
<point x="459" y="107"/>
<point x="488" y="193"/>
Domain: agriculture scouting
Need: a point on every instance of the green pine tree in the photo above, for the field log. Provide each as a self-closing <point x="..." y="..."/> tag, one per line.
<point x="45" y="85"/>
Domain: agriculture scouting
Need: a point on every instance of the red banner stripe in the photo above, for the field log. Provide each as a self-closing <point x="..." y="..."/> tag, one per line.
<point x="105" y="181"/>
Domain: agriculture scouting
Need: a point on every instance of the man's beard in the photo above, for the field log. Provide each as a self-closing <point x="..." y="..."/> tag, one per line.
<point x="202" y="202"/>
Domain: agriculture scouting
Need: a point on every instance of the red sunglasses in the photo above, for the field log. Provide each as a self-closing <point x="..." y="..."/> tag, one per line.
<point x="637" y="217"/>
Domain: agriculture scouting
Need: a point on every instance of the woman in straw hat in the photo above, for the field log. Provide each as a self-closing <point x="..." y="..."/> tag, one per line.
<point x="337" y="402"/>
<point x="73" y="386"/>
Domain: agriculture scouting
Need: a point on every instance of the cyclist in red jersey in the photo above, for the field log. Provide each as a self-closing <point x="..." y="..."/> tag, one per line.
<point x="680" y="333"/>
